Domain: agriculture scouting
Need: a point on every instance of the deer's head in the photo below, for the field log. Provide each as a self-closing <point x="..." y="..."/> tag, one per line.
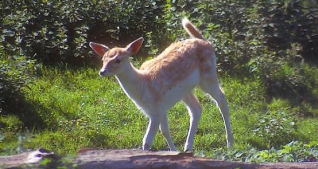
<point x="116" y="59"/>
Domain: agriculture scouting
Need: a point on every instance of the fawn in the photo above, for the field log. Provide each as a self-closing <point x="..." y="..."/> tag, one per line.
<point x="166" y="79"/>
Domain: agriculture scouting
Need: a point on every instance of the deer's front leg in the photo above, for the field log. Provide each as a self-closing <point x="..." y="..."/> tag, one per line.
<point x="164" y="127"/>
<point x="153" y="127"/>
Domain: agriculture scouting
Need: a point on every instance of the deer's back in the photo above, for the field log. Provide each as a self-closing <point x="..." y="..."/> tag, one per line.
<point x="178" y="60"/>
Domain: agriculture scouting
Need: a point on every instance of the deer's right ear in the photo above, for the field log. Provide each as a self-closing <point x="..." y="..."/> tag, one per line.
<point x="99" y="48"/>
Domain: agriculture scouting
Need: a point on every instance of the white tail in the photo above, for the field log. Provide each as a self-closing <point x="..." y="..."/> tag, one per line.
<point x="168" y="78"/>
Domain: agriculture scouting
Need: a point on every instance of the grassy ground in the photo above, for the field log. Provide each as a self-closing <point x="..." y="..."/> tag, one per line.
<point x="70" y="109"/>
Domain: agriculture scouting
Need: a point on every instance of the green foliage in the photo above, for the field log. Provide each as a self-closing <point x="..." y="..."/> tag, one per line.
<point x="294" y="151"/>
<point x="15" y="72"/>
<point x="267" y="60"/>
<point x="273" y="125"/>
<point x="60" y="31"/>
<point x="290" y="22"/>
<point x="80" y="109"/>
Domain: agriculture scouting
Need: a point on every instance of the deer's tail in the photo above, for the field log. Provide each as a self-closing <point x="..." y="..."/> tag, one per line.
<point x="191" y="29"/>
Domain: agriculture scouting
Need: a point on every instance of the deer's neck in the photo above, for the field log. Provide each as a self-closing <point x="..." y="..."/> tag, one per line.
<point x="131" y="81"/>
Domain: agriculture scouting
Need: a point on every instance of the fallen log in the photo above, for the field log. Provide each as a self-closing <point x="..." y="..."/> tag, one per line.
<point x="131" y="159"/>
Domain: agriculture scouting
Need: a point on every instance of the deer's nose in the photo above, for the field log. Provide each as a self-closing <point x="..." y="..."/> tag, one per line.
<point x="102" y="72"/>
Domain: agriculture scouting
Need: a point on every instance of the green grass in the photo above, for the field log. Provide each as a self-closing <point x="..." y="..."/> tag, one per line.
<point x="70" y="109"/>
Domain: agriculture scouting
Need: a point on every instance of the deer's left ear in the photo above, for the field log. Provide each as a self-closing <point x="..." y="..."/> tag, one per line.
<point x="99" y="48"/>
<point x="134" y="46"/>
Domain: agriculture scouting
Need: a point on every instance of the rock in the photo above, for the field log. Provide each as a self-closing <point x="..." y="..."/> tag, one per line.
<point x="28" y="158"/>
<point x="91" y="158"/>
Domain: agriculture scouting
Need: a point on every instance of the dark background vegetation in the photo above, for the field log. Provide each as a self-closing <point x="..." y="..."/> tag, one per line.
<point x="268" y="40"/>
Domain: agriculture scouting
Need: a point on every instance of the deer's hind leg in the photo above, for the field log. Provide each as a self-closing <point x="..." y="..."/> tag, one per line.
<point x="195" y="111"/>
<point x="210" y="85"/>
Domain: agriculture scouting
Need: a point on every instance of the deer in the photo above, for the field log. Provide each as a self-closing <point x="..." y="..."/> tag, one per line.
<point x="166" y="79"/>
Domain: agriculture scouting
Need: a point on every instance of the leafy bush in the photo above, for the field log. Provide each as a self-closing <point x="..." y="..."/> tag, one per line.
<point x="14" y="74"/>
<point x="59" y="31"/>
<point x="287" y="23"/>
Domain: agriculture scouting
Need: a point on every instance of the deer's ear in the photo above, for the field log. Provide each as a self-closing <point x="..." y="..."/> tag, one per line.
<point x="134" y="46"/>
<point x="99" y="48"/>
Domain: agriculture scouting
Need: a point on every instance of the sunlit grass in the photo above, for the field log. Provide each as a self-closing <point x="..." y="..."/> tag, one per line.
<point x="81" y="109"/>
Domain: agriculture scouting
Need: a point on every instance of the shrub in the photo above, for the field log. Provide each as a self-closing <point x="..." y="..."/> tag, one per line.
<point x="60" y="31"/>
<point x="55" y="31"/>
<point x="16" y="112"/>
<point x="15" y="72"/>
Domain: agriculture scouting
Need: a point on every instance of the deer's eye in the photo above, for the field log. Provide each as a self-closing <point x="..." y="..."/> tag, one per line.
<point x="117" y="61"/>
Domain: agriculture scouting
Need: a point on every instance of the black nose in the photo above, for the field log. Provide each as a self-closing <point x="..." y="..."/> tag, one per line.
<point x="101" y="73"/>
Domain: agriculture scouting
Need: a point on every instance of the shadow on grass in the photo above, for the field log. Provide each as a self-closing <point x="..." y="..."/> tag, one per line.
<point x="14" y="104"/>
<point x="296" y="94"/>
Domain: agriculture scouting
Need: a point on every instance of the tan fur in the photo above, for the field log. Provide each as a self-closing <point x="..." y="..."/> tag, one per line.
<point x="175" y="63"/>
